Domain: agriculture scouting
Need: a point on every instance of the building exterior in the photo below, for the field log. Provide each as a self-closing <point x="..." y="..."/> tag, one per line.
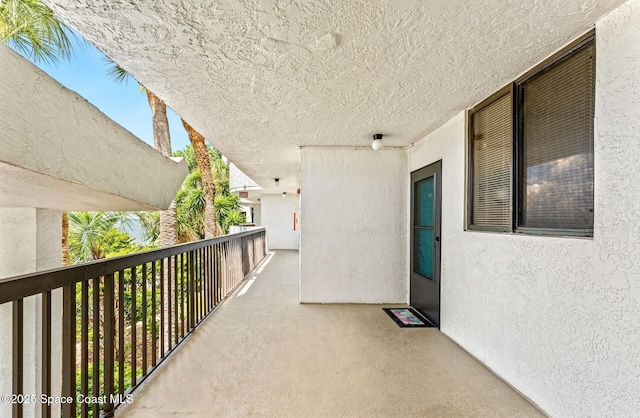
<point x="295" y="92"/>
<point x="277" y="211"/>
<point x="59" y="153"/>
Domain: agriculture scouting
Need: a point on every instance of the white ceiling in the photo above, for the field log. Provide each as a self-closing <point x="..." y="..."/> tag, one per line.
<point x="258" y="78"/>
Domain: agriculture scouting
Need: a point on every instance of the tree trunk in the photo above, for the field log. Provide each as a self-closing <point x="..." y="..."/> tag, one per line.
<point x="168" y="226"/>
<point x="169" y="217"/>
<point x="162" y="142"/>
<point x="66" y="257"/>
<point x="208" y="184"/>
<point x="161" y="137"/>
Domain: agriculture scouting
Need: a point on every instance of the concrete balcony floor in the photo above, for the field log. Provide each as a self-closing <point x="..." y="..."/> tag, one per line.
<point x="263" y="354"/>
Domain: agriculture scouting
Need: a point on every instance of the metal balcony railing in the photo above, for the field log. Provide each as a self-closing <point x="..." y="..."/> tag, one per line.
<point x="124" y="315"/>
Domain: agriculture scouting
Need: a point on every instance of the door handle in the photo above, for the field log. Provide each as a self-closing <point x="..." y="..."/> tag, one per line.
<point x="437" y="239"/>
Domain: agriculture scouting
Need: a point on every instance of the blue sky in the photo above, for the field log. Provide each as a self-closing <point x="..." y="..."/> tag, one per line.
<point x="86" y="74"/>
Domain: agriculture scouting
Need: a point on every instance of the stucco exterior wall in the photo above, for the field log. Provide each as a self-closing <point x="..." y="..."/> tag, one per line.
<point x="30" y="241"/>
<point x="557" y="317"/>
<point x="354" y="236"/>
<point x="277" y="215"/>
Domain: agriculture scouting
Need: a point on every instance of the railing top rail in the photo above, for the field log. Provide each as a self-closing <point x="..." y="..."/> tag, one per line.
<point x="25" y="285"/>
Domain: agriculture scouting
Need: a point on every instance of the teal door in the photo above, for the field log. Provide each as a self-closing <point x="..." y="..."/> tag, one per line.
<point x="426" y="194"/>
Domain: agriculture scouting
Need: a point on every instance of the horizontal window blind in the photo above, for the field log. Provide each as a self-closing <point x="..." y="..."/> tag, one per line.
<point x="557" y="111"/>
<point x="491" y="164"/>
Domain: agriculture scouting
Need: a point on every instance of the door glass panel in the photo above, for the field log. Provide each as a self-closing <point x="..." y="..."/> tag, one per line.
<point x="423" y="252"/>
<point x="424" y="200"/>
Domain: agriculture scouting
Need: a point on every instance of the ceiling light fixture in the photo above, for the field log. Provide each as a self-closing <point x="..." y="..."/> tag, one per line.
<point x="377" y="142"/>
<point x="277" y="181"/>
<point x="284" y="194"/>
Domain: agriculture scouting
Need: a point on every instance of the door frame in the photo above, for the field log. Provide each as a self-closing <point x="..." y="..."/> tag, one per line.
<point x="435" y="170"/>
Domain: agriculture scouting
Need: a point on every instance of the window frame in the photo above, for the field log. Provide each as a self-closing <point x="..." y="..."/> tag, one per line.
<point x="506" y="90"/>
<point x="516" y="192"/>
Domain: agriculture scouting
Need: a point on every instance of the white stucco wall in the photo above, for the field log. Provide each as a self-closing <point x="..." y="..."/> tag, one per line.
<point x="354" y="237"/>
<point x="558" y="318"/>
<point x="30" y="241"/>
<point x="277" y="215"/>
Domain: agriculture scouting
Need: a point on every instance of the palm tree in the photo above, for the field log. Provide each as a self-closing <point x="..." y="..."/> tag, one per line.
<point x="89" y="234"/>
<point x="31" y="28"/>
<point x="150" y="223"/>
<point x="162" y="142"/>
<point x="228" y="211"/>
<point x="87" y="231"/>
<point x="191" y="205"/>
<point x="168" y="223"/>
<point x="208" y="184"/>
<point x="66" y="256"/>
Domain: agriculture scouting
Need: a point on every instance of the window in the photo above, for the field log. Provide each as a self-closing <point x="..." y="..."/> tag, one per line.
<point x="491" y="160"/>
<point x="531" y="151"/>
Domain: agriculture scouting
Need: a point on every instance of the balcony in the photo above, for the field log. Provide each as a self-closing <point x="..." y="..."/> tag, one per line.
<point x="294" y="92"/>
<point x="221" y="333"/>
<point x="84" y="337"/>
<point x="262" y="353"/>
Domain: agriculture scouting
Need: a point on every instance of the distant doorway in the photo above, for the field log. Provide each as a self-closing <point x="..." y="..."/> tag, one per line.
<point x="426" y="196"/>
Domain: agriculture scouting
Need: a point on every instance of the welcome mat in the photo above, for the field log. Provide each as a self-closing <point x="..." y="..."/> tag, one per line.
<point x="407" y="318"/>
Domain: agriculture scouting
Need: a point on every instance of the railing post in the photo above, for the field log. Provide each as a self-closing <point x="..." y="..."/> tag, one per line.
<point x="109" y="338"/>
<point x="69" y="350"/>
<point x="95" y="361"/>
<point x="154" y="331"/>
<point x="143" y="309"/>
<point x="84" y="345"/>
<point x="246" y="264"/>
<point x="191" y="283"/>
<point x="121" y="329"/>
<point x="46" y="351"/>
<point x="175" y="301"/>
<point x="134" y="328"/>
<point x="18" y="354"/>
<point x="182" y="314"/>
<point x="163" y="278"/>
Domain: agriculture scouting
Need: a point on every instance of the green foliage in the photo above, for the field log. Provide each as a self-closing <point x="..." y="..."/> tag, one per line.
<point x="150" y="223"/>
<point x="93" y="235"/>
<point x="31" y="28"/>
<point x="115" y="243"/>
<point x="116" y="72"/>
<point x="127" y="382"/>
<point x="228" y="211"/>
<point x="190" y="156"/>
<point x="190" y="201"/>
<point x="190" y="204"/>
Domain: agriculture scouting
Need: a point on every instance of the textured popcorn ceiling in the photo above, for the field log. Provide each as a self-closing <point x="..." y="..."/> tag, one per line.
<point x="259" y="78"/>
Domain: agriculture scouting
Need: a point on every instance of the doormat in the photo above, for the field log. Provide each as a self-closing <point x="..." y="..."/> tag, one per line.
<point x="407" y="318"/>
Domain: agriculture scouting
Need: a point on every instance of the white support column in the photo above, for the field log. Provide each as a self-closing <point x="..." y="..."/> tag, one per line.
<point x="29" y="242"/>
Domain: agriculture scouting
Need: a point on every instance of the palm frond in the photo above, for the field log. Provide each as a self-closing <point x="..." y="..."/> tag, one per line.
<point x="87" y="229"/>
<point x="150" y="222"/>
<point x="116" y="72"/>
<point x="32" y="28"/>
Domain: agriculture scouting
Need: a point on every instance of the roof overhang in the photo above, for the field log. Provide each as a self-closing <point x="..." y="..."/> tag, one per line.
<point x="260" y="79"/>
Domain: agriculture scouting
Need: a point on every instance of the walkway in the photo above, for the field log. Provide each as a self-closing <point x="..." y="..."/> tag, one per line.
<point x="262" y="354"/>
